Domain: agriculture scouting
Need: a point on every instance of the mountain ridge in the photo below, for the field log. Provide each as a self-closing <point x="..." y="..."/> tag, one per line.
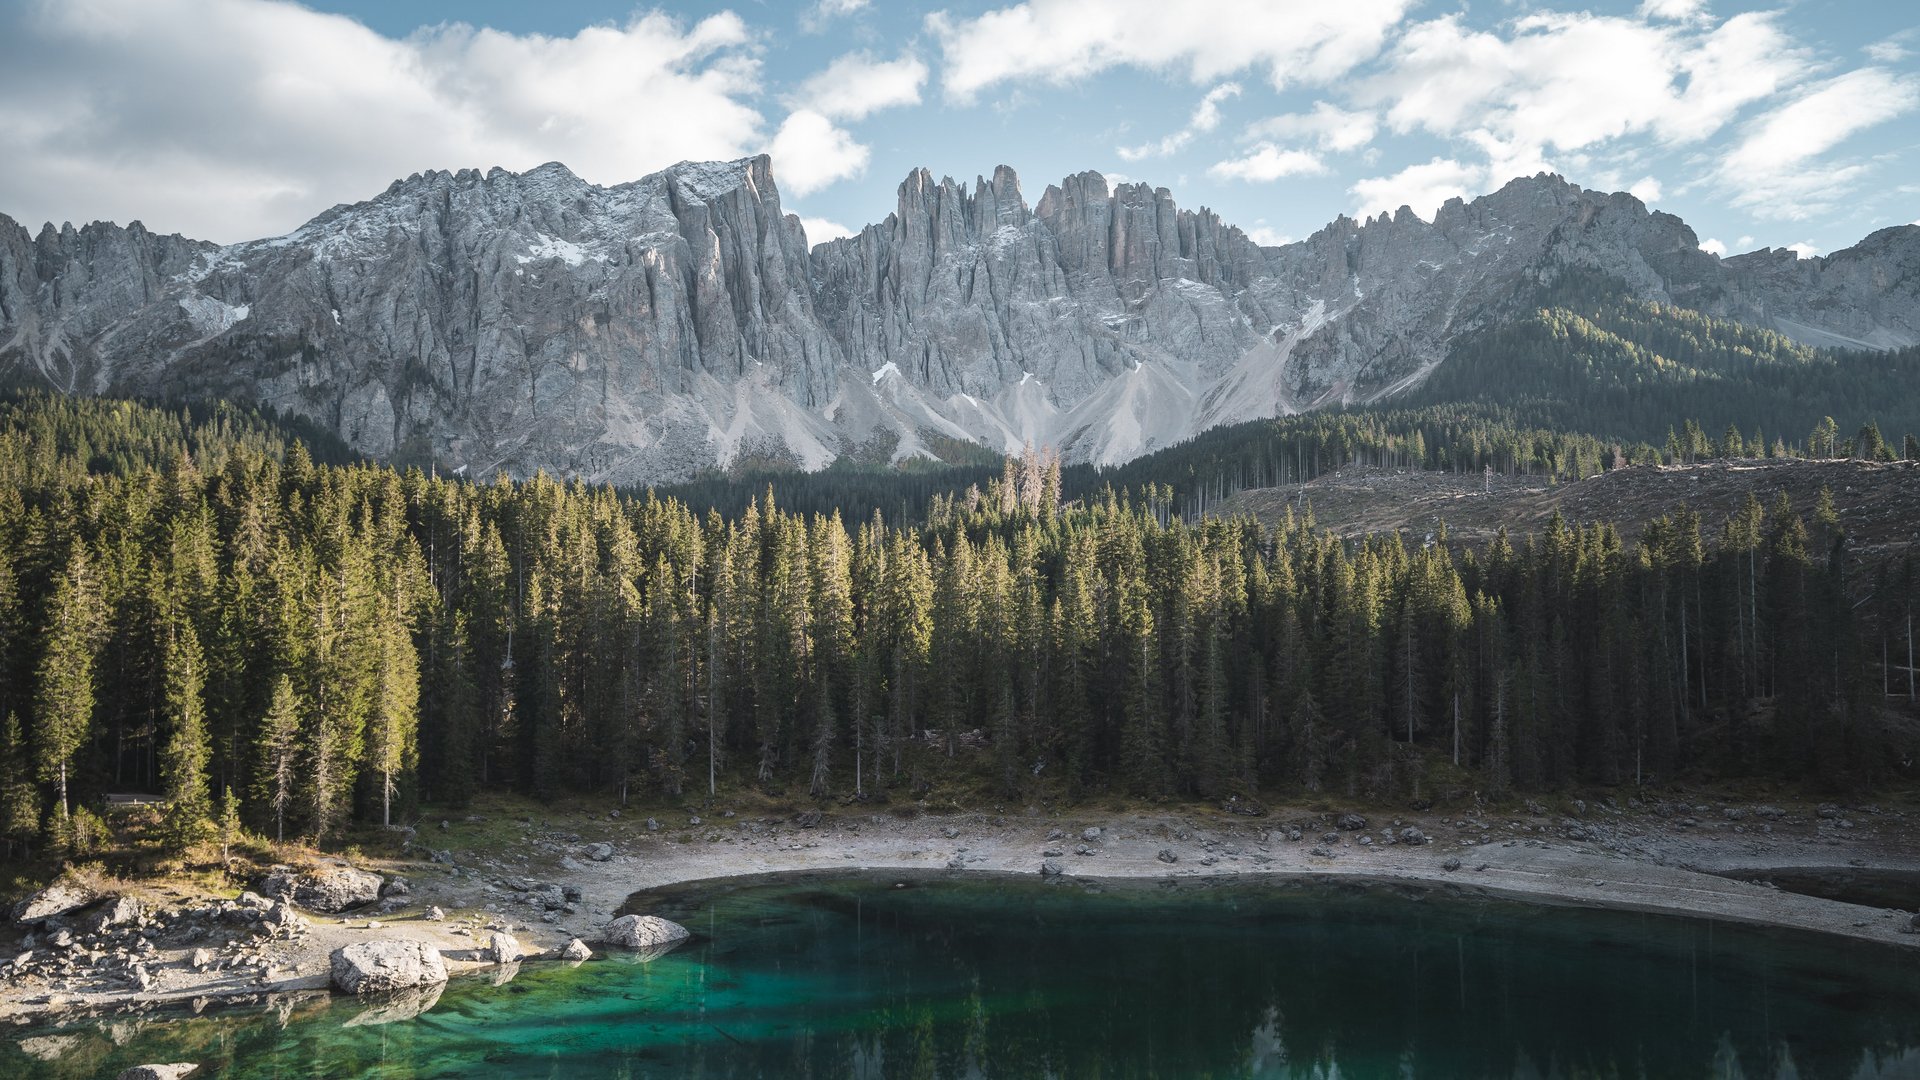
<point x="508" y="322"/>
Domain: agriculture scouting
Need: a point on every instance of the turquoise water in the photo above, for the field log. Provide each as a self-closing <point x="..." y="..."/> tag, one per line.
<point x="845" y="976"/>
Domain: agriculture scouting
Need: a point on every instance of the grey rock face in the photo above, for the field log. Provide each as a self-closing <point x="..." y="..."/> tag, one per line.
<point x="372" y="967"/>
<point x="502" y="323"/>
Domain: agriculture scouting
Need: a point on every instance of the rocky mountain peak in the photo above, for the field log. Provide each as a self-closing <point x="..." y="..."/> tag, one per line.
<point x="508" y="321"/>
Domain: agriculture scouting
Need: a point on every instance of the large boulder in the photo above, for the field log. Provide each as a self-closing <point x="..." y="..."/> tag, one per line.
<point x="176" y="1071"/>
<point x="373" y="967"/>
<point x="576" y="951"/>
<point x="646" y="932"/>
<point x="59" y="898"/>
<point x="502" y="948"/>
<point x="327" y="889"/>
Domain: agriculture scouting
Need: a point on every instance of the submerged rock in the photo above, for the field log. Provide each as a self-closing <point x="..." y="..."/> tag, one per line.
<point x="644" y="932"/>
<point x="371" y="967"/>
<point x="398" y="1005"/>
<point x="175" y="1071"/>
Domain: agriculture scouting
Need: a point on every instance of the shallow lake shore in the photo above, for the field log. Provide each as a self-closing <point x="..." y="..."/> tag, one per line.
<point x="1685" y="864"/>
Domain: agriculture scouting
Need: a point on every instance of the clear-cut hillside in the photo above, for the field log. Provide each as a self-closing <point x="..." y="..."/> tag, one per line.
<point x="510" y="322"/>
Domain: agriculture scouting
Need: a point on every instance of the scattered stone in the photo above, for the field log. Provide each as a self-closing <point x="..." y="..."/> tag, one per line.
<point x="576" y="951"/>
<point x="1366" y="841"/>
<point x="1411" y="835"/>
<point x="1168" y="855"/>
<point x="644" y="932"/>
<point x="201" y="960"/>
<point x="1350" y="822"/>
<point x="694" y="821"/>
<point x="371" y="967"/>
<point x="956" y="863"/>
<point x="808" y="819"/>
<point x="1049" y="868"/>
<point x="1052" y="853"/>
<point x="1090" y="835"/>
<point x="1321" y="852"/>
<point x="398" y="888"/>
<point x="1450" y="865"/>
<point x="502" y="948"/>
<point x="599" y="852"/>
<point x="653" y="825"/>
<point x="950" y="833"/>
<point x="160" y="1072"/>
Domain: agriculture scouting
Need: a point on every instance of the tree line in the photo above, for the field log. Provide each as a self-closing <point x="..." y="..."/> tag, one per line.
<point x="230" y="623"/>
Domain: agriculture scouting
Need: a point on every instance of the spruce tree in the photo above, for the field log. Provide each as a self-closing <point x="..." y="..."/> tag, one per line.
<point x="183" y="763"/>
<point x="63" y="706"/>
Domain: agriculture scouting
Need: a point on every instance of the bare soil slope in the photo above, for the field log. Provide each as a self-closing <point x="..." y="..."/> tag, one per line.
<point x="1878" y="503"/>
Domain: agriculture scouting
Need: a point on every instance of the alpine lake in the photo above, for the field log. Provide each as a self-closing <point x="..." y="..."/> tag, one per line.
<point x="948" y="976"/>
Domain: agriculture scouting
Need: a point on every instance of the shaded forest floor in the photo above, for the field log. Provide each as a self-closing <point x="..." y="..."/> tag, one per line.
<point x="1878" y="503"/>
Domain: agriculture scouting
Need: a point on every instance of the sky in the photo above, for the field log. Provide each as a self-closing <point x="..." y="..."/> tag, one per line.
<point x="1794" y="123"/>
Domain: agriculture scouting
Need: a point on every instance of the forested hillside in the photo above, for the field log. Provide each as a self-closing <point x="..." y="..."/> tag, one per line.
<point x="195" y="606"/>
<point x="1586" y="378"/>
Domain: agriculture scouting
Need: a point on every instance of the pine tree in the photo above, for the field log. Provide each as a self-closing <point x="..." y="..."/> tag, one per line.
<point x="183" y="764"/>
<point x="231" y="830"/>
<point x="64" y="704"/>
<point x="392" y="727"/>
<point x="279" y="749"/>
<point x="19" y="804"/>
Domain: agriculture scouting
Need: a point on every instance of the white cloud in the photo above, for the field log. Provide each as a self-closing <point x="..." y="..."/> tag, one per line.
<point x="1745" y="243"/>
<point x="1646" y="189"/>
<point x="816" y="17"/>
<point x="1268" y="162"/>
<point x="1421" y="187"/>
<point x="1060" y="41"/>
<point x="1803" y="249"/>
<point x="1268" y="237"/>
<point x="1206" y="117"/>
<point x="821" y="230"/>
<point x="232" y="119"/>
<point x="1328" y="126"/>
<point x="1561" y="83"/>
<point x="1672" y="9"/>
<point x="1772" y="170"/>
<point x="856" y="85"/>
<point x="1714" y="248"/>
<point x="1887" y="52"/>
<point x="809" y="153"/>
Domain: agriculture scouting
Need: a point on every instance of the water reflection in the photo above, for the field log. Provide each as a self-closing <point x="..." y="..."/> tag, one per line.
<point x="993" y="979"/>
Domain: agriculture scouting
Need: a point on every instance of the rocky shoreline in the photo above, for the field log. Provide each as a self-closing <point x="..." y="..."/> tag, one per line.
<point x="483" y="905"/>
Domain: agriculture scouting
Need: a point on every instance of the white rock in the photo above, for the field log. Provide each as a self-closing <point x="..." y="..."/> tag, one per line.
<point x="644" y="932"/>
<point x="371" y="967"/>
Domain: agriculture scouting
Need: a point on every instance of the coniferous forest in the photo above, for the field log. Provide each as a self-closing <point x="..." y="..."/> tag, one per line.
<point x="192" y="604"/>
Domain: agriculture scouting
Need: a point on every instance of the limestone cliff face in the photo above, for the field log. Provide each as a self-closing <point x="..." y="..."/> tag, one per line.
<point x="511" y="322"/>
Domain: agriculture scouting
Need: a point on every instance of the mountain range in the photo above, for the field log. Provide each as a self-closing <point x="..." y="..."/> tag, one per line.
<point x="508" y="322"/>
